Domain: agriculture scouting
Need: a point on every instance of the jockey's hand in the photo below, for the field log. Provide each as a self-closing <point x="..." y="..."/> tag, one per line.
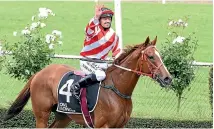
<point x="98" y="11"/>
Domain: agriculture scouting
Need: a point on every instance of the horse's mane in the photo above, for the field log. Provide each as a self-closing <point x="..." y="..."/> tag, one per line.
<point x="128" y="50"/>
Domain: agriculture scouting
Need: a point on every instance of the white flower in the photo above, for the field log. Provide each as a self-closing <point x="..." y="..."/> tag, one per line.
<point x="174" y="41"/>
<point x="53" y="38"/>
<point x="25" y="32"/>
<point x="44" y="12"/>
<point x="186" y="24"/>
<point x="57" y="33"/>
<point x="51" y="46"/>
<point x="43" y="15"/>
<point x="49" y="38"/>
<point x="49" y="11"/>
<point x="33" y="18"/>
<point x="170" y="23"/>
<point x="180" y="21"/>
<point x="60" y="42"/>
<point x="179" y="39"/>
<point x="42" y="25"/>
<point x="33" y="26"/>
<point x="14" y="33"/>
<point x="177" y="23"/>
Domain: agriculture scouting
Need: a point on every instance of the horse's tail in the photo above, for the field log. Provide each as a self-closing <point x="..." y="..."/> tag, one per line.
<point x="20" y="101"/>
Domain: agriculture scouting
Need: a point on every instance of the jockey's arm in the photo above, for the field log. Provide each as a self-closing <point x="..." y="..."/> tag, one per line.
<point x="90" y="29"/>
<point x="116" y="50"/>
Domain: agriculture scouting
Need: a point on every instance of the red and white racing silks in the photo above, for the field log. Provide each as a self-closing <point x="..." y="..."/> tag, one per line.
<point x="98" y="43"/>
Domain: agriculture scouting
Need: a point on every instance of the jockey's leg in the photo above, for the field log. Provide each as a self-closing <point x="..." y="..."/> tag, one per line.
<point x="99" y="75"/>
<point x="94" y="74"/>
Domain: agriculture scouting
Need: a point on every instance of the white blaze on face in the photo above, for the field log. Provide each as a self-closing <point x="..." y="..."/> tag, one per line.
<point x="167" y="72"/>
<point x="158" y="56"/>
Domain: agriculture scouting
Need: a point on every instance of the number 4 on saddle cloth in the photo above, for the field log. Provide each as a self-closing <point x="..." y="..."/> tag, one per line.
<point x="68" y="103"/>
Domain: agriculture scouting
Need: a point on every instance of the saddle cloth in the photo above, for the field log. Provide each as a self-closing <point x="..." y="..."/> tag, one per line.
<point x="68" y="103"/>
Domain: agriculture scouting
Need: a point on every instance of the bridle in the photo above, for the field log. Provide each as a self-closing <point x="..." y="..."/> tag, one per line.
<point x="151" y="66"/>
<point x="140" y="72"/>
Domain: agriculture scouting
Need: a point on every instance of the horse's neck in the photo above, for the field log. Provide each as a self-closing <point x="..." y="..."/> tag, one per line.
<point x="125" y="81"/>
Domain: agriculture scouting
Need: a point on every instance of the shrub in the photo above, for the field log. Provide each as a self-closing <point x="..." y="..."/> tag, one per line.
<point x="211" y="87"/>
<point x="34" y="50"/>
<point x="177" y="53"/>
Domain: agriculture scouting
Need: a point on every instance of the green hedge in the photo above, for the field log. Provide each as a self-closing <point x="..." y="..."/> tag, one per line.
<point x="211" y="87"/>
<point x="26" y="120"/>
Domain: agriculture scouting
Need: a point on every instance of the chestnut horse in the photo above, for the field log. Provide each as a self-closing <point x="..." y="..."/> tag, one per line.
<point x="112" y="109"/>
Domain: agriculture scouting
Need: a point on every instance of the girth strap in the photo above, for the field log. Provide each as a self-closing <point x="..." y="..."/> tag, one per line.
<point x="113" y="88"/>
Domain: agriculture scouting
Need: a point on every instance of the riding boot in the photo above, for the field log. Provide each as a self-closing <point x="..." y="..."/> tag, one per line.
<point x="84" y="82"/>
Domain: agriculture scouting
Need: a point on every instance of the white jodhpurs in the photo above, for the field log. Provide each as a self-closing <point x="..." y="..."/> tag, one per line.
<point x="96" y="68"/>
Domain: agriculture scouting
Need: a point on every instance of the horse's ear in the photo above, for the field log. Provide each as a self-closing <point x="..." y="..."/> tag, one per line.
<point x="147" y="41"/>
<point x="154" y="41"/>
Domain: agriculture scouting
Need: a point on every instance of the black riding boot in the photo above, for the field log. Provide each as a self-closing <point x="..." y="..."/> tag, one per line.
<point x="84" y="82"/>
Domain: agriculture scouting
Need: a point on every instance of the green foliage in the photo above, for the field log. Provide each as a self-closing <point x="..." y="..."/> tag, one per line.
<point x="177" y="53"/>
<point x="33" y="50"/>
<point x="178" y="59"/>
<point x="2" y="58"/>
<point x="26" y="120"/>
<point x="211" y="87"/>
<point x="28" y="57"/>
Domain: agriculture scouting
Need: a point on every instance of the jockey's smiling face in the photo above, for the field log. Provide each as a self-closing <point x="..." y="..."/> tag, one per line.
<point x="105" y="22"/>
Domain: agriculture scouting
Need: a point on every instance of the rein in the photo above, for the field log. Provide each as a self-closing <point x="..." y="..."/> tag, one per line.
<point x="140" y="72"/>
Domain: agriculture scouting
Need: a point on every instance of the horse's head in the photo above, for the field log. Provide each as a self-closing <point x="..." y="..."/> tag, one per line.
<point x="145" y="60"/>
<point x="151" y="63"/>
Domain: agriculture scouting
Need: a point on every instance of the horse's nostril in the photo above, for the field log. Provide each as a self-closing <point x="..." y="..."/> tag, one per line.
<point x="168" y="80"/>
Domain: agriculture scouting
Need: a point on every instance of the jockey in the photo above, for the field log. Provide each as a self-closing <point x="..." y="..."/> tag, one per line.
<point x="100" y="39"/>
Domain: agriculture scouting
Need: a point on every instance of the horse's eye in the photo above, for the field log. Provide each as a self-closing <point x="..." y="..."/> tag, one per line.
<point x="151" y="57"/>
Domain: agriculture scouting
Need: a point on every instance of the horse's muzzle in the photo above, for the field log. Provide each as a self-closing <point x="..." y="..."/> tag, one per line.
<point x="167" y="80"/>
<point x="163" y="82"/>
